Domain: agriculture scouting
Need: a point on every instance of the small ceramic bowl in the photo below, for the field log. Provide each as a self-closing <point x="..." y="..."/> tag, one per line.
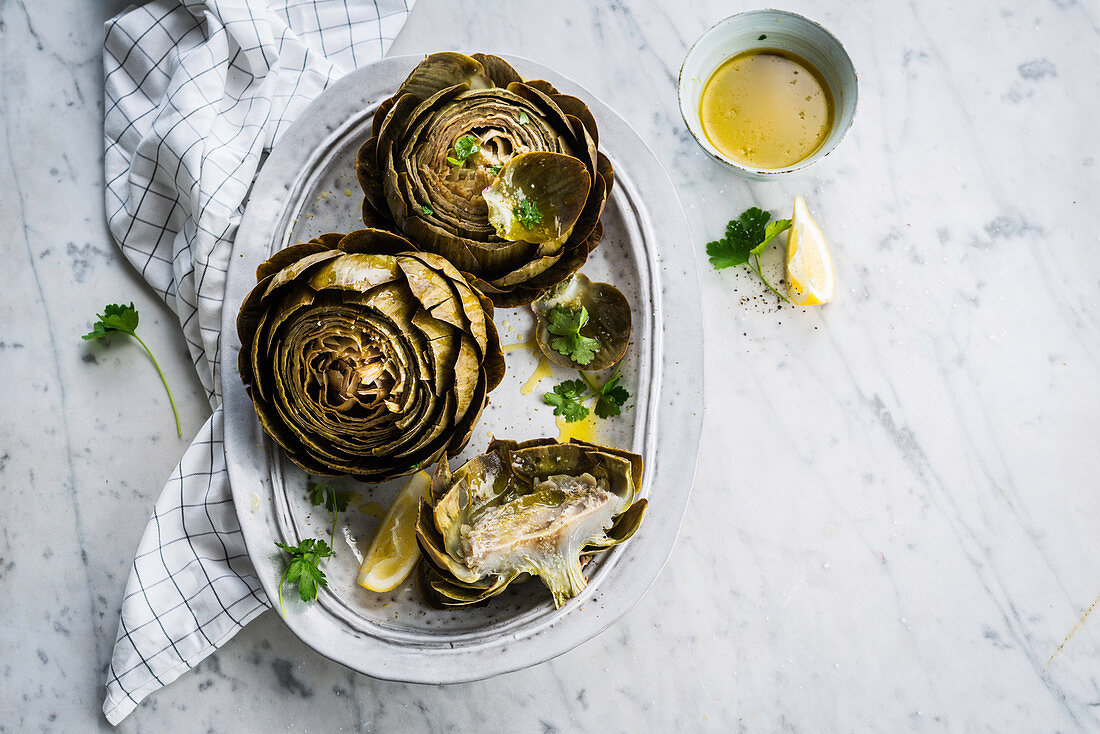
<point x="781" y="30"/>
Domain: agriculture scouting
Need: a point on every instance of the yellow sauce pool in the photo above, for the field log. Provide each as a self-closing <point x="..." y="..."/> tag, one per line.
<point x="766" y="109"/>
<point x="584" y="429"/>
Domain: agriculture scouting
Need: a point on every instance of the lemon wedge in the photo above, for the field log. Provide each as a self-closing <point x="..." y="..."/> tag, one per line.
<point x="393" y="553"/>
<point x="809" y="266"/>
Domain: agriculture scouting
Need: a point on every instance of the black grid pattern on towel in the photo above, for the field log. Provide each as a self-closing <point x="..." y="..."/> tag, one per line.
<point x="196" y="93"/>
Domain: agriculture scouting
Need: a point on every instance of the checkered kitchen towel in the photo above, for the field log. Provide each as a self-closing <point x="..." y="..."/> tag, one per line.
<point x="197" y="92"/>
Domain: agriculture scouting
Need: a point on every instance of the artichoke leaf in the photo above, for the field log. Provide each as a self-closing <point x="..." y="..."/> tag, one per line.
<point x="572" y="106"/>
<point x="609" y="320"/>
<point x="289" y="255"/>
<point x="354" y="272"/>
<point x="538" y="197"/>
<point x="467" y="374"/>
<point x="497" y="69"/>
<point x="441" y="70"/>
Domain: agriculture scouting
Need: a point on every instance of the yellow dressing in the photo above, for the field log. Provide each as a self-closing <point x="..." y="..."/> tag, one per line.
<point x="543" y="369"/>
<point x="584" y="429"/>
<point x="529" y="344"/>
<point x="373" y="509"/>
<point x="766" y="108"/>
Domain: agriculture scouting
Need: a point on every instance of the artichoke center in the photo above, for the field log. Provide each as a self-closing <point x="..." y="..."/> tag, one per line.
<point x="347" y="376"/>
<point x="537" y="530"/>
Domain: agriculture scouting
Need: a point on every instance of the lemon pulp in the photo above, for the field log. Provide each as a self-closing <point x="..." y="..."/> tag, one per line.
<point x="810" y="278"/>
<point x="393" y="552"/>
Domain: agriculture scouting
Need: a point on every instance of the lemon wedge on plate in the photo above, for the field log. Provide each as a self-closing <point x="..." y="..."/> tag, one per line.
<point x="393" y="553"/>
<point x="809" y="266"/>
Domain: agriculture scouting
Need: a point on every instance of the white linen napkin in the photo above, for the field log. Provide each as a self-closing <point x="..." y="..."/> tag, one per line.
<point x="196" y="93"/>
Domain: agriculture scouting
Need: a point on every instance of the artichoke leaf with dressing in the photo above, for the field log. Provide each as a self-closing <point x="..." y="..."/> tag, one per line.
<point x="609" y="320"/>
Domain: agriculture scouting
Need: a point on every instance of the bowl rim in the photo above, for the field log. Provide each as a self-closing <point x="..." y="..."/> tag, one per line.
<point x="750" y="171"/>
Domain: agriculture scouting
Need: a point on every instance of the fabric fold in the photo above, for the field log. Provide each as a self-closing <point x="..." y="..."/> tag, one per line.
<point x="196" y="93"/>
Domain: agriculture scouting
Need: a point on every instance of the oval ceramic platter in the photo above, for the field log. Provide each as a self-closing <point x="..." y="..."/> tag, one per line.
<point x="308" y="187"/>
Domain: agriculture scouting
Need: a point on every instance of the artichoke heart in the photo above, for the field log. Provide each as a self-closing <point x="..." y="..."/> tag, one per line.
<point x="418" y="183"/>
<point x="537" y="508"/>
<point x="365" y="357"/>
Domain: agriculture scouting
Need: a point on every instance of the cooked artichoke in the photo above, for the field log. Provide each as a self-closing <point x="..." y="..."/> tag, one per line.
<point x="500" y="176"/>
<point x="364" y="357"/>
<point x="537" y="508"/>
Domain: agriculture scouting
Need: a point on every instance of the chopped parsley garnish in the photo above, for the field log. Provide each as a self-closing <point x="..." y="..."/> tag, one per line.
<point x="465" y="147"/>
<point x="495" y="168"/>
<point x="566" y="324"/>
<point x="428" y="211"/>
<point x="746" y="238"/>
<point x="523" y="118"/>
<point x="528" y="213"/>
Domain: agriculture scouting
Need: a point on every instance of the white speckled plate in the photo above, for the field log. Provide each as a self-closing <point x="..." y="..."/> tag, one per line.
<point x="308" y="187"/>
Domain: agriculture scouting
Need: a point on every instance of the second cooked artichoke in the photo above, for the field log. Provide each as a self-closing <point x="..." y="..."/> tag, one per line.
<point x="365" y="357"/>
<point x="500" y="176"/>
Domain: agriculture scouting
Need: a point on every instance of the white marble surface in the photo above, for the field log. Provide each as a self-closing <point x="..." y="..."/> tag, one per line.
<point x="895" y="521"/>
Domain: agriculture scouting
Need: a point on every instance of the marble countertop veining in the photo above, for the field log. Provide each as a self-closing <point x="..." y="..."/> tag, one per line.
<point x="895" y="522"/>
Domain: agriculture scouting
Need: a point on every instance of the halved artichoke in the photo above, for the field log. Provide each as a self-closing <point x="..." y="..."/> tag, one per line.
<point x="461" y="127"/>
<point x="537" y="508"/>
<point x="365" y="357"/>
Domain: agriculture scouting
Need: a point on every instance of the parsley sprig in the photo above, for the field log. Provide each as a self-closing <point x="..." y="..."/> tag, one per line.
<point x="570" y="398"/>
<point x="119" y="319"/>
<point x="566" y="324"/>
<point x="333" y="500"/>
<point x="746" y="238"/>
<point x="528" y="213"/>
<point x="464" y="147"/>
<point x="304" y="569"/>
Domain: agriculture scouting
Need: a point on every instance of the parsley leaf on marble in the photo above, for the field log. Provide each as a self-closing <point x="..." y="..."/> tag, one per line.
<point x="745" y="239"/>
<point x="777" y="227"/>
<point x="119" y="319"/>
<point x="566" y="324"/>
<point x="304" y="568"/>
